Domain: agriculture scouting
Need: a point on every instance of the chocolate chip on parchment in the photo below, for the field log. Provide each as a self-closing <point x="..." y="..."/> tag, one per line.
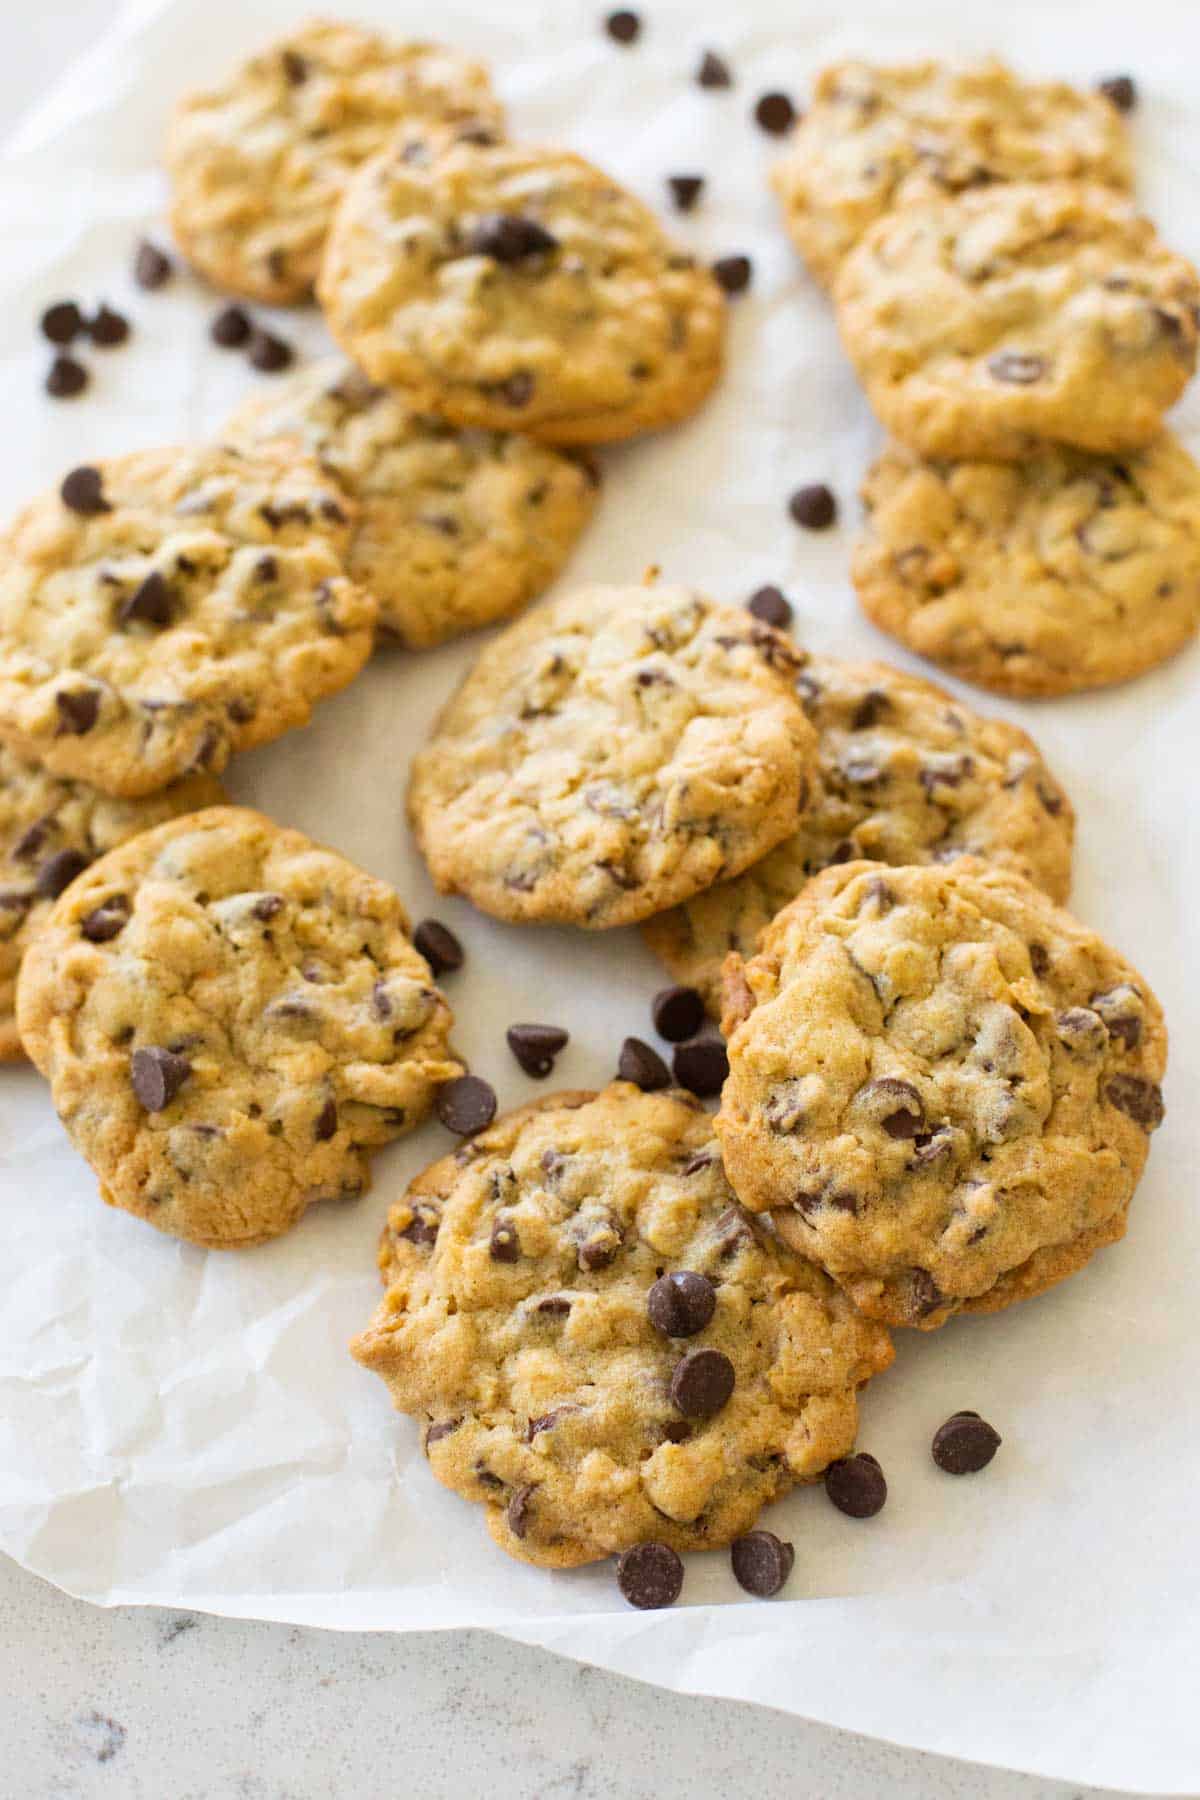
<point x="856" y="1485"/>
<point x="157" y="1075"/>
<point x="59" y="871"/>
<point x="1121" y="90"/>
<point x="107" y="328"/>
<point x="504" y="1245"/>
<point x="964" y="1444"/>
<point x="61" y="322"/>
<point x="650" y="1576"/>
<point x="326" y="1122"/>
<point x="78" y="710"/>
<point x="466" y="1105"/>
<point x="268" y="353"/>
<point x="536" y="1046"/>
<point x="761" y="1562"/>
<point x="106" y="921"/>
<point x="701" y="1065"/>
<point x="701" y="1383"/>
<point x="82" y="490"/>
<point x="152" y="267"/>
<point x="509" y="238"/>
<point x="772" y="606"/>
<point x="685" y="190"/>
<point x="623" y="27"/>
<point x="681" y="1304"/>
<point x="775" y="113"/>
<point x="439" y="946"/>
<point x="231" y="327"/>
<point x="643" y="1066"/>
<point x="149" y="603"/>
<point x="733" y="273"/>
<point x="678" y="1013"/>
<point x="1016" y="367"/>
<point x="65" y="378"/>
<point x="814" y="506"/>
<point x="713" y="71"/>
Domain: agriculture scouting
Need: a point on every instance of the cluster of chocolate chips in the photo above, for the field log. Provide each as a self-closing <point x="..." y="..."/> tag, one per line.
<point x="698" y="1062"/>
<point x="234" y="329"/>
<point x="64" y="322"/>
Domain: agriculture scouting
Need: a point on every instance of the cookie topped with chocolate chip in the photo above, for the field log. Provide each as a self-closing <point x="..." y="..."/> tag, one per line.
<point x="520" y="289"/>
<point x="612" y="754"/>
<point x="230" y="1017"/>
<point x="984" y="323"/>
<point x="161" y="610"/>
<point x="601" y="1347"/>
<point x="907" y="774"/>
<point x="942" y="1085"/>
<point x="258" y="163"/>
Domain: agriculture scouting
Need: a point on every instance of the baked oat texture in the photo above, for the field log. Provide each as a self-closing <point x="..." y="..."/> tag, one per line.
<point x="942" y="1083"/>
<point x="257" y="165"/>
<point x="519" y="289"/>
<point x="230" y="1017"/>
<point x="515" y="1328"/>
<point x="455" y="529"/>
<point x="610" y="755"/>
<point x="984" y="323"/>
<point x="877" y="137"/>
<point x="907" y="774"/>
<point x="1063" y="572"/>
<point x="204" y="610"/>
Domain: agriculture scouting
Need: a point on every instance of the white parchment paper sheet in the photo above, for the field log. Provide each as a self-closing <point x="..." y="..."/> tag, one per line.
<point x="186" y="1428"/>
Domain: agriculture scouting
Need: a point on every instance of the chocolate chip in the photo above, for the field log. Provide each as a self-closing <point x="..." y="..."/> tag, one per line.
<point x="517" y="390"/>
<point x="466" y="1105"/>
<point x="536" y="1046"/>
<point x="623" y="27"/>
<point x="326" y="1122"/>
<point x="83" y="491"/>
<point x="107" y="328"/>
<point x="643" y="1066"/>
<point x="439" y="946"/>
<point x="442" y="1429"/>
<point x="149" y="603"/>
<point x="77" y="710"/>
<point x="151" y="266"/>
<point x="1140" y="1100"/>
<point x="424" y="1225"/>
<point x="772" y="606"/>
<point x="106" y="921"/>
<point x="761" y="1562"/>
<point x="509" y="238"/>
<point x="702" y="1383"/>
<point x="775" y="113"/>
<point x="681" y="1304"/>
<point x="504" y="1245"/>
<point x="814" y="507"/>
<point x="856" y="1486"/>
<point x="295" y="68"/>
<point x="231" y="327"/>
<point x="157" y="1076"/>
<point x="896" y="1105"/>
<point x="269" y="353"/>
<point x="678" y="1013"/>
<point x="650" y="1576"/>
<point x="61" y="322"/>
<point x="701" y="1065"/>
<point x="519" y="1509"/>
<point x="65" y="378"/>
<point x="733" y="273"/>
<point x="714" y="71"/>
<point x="925" y="1296"/>
<point x="964" y="1444"/>
<point x="1121" y="90"/>
<point x="554" y="1306"/>
<point x="1118" y="1007"/>
<point x="1016" y="367"/>
<point x="1039" y="959"/>
<point x="685" y="190"/>
<point x="59" y="871"/>
<point x="267" y="907"/>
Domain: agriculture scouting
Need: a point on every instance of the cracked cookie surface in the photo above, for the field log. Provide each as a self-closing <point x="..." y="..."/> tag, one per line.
<point x="983" y="324"/>
<point x="230" y="1017"/>
<point x="258" y="164"/>
<point x="1066" y="571"/>
<point x="197" y="606"/>
<point x="876" y="137"/>
<point x="523" y="1276"/>
<point x="942" y="1083"/>
<point x="907" y="774"/>
<point x="611" y="754"/>
<point x="522" y="290"/>
<point x="455" y="529"/>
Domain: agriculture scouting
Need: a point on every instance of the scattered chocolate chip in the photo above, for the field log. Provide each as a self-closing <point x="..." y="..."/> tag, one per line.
<point x="519" y="1509"/>
<point x="536" y="1046"/>
<point x="1016" y="368"/>
<point x="814" y="507"/>
<point x="772" y="606"/>
<point x="466" y="1105"/>
<point x="681" y="1304"/>
<point x="83" y="491"/>
<point x="77" y="711"/>
<point x="65" y="378"/>
<point x="504" y="1245"/>
<point x="714" y="71"/>
<point x="149" y="603"/>
<point x="326" y="1122"/>
<point x="623" y="27"/>
<point x="231" y="327"/>
<point x="702" y="1383"/>
<point x="733" y="273"/>
<point x="59" y="871"/>
<point x="269" y="353"/>
<point x="856" y="1486"/>
<point x="509" y="238"/>
<point x="1121" y="90"/>
<point x="643" y="1066"/>
<point x="678" y="1013"/>
<point x="701" y="1065"/>
<point x="775" y="113"/>
<point x="964" y="1444"/>
<point x="1140" y="1100"/>
<point x="761" y="1562"/>
<point x="650" y="1576"/>
<point x="439" y="946"/>
<point x="61" y="322"/>
<point x="151" y="266"/>
<point x="157" y="1076"/>
<point x="106" y="921"/>
<point x="107" y="328"/>
<point x="685" y="190"/>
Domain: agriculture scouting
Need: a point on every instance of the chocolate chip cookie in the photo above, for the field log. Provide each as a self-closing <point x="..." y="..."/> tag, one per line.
<point x="230" y="1017"/>
<point x="455" y="529"/>
<point x="984" y="323"/>
<point x="519" y="289"/>
<point x="161" y="610"/>
<point x="612" y="754"/>
<point x="1063" y="572"/>
<point x="258" y="164"/>
<point x="877" y="137"/>
<point x="942" y="1083"/>
<point x="906" y="775"/>
<point x="50" y="831"/>
<point x="602" y="1347"/>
